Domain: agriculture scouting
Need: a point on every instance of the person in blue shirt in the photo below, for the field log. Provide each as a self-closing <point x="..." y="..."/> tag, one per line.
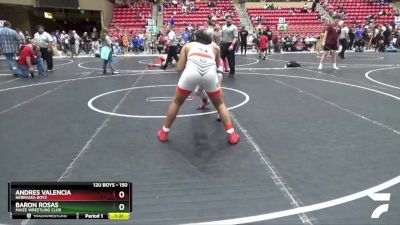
<point x="141" y="44"/>
<point x="117" y="49"/>
<point x="359" y="33"/>
<point x="186" y="35"/>
<point x="172" y="21"/>
<point x="136" y="43"/>
<point x="359" y="41"/>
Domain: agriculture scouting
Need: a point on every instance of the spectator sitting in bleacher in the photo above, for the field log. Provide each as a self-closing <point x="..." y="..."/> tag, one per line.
<point x="193" y="8"/>
<point x="172" y="21"/>
<point x="389" y="12"/>
<point x="344" y="15"/>
<point x="210" y="15"/>
<point x="117" y="49"/>
<point x="214" y="18"/>
<point x="184" y="8"/>
<point x="305" y="8"/>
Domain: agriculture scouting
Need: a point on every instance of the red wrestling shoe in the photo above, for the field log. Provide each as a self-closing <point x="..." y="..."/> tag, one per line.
<point x="233" y="138"/>
<point x="162" y="135"/>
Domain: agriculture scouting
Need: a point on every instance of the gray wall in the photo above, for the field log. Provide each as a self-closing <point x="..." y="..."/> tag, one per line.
<point x="105" y="6"/>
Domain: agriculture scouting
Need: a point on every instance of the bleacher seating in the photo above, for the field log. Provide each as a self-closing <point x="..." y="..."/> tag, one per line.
<point x="124" y="18"/>
<point x="268" y="1"/>
<point x="200" y="17"/>
<point x="299" y="23"/>
<point x="361" y="9"/>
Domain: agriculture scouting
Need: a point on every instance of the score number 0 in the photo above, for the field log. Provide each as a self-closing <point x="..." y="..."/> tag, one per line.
<point x="121" y="195"/>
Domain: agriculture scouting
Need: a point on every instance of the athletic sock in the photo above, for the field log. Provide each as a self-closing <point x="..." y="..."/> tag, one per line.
<point x="166" y="129"/>
<point x="229" y="128"/>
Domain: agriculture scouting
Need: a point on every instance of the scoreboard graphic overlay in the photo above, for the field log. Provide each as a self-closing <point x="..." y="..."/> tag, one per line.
<point x="70" y="200"/>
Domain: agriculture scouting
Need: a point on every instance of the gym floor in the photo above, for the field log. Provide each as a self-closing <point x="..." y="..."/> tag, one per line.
<point x="315" y="145"/>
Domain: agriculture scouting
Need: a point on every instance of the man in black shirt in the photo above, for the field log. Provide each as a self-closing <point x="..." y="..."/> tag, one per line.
<point x="243" y="40"/>
<point x="269" y="35"/>
<point x="386" y="36"/>
<point x="94" y="36"/>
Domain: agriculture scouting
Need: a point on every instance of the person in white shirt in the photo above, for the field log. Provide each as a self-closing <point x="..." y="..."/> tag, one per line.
<point x="198" y="63"/>
<point x="184" y="8"/>
<point x="45" y="41"/>
<point x="343" y="38"/>
<point x="171" y="47"/>
<point x="312" y="41"/>
<point x="64" y="42"/>
<point x="307" y="41"/>
<point x="77" y="42"/>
